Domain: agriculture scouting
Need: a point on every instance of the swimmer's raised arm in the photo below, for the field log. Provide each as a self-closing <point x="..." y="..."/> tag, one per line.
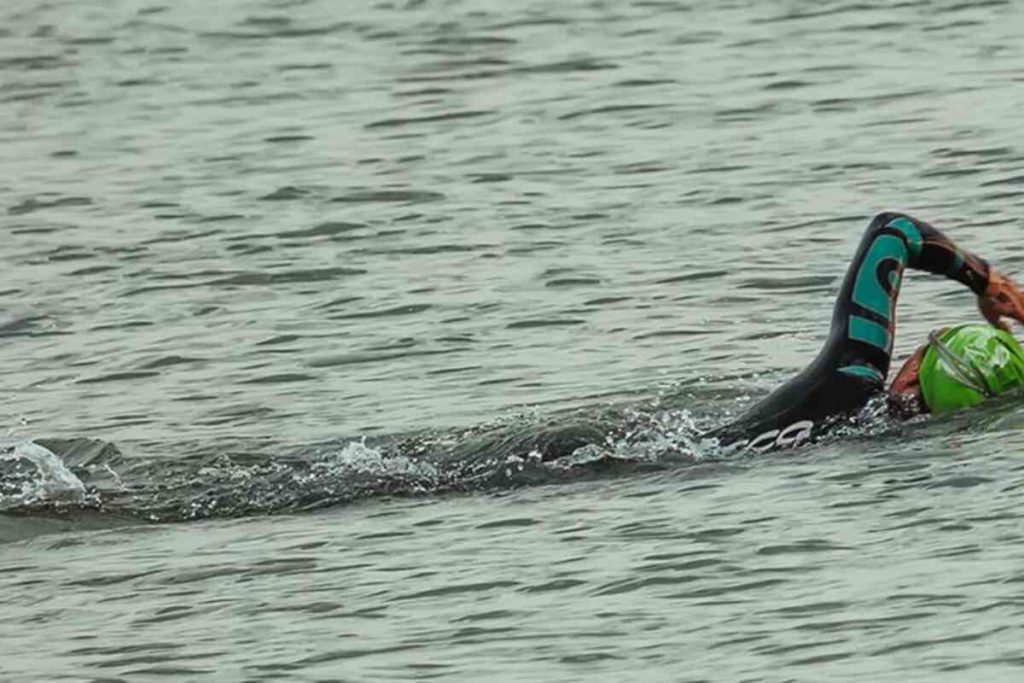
<point x="855" y="360"/>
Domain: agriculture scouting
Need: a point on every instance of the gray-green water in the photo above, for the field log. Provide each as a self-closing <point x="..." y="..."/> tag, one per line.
<point x="351" y="263"/>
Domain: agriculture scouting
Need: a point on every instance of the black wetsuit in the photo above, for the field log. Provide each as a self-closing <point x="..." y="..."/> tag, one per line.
<point x="855" y="361"/>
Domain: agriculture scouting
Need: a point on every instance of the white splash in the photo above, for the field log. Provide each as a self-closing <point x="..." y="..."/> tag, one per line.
<point x="52" y="481"/>
<point x="357" y="456"/>
<point x="666" y="432"/>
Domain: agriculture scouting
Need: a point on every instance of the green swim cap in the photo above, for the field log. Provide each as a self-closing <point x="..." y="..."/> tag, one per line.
<point x="967" y="364"/>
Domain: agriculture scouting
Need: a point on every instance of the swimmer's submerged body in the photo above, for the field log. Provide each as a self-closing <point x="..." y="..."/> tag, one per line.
<point x="958" y="367"/>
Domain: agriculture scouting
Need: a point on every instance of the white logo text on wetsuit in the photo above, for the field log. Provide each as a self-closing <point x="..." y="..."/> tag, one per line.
<point x="793" y="435"/>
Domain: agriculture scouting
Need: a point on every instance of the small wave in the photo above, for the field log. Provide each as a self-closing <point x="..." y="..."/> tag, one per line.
<point x="33" y="204"/>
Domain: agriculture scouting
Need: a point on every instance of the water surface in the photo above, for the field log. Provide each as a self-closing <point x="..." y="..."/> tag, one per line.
<point x="404" y="318"/>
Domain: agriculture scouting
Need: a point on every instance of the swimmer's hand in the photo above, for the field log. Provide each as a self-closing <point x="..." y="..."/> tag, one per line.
<point x="1003" y="297"/>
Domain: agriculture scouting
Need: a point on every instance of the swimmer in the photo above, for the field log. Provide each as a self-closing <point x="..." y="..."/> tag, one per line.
<point x="958" y="367"/>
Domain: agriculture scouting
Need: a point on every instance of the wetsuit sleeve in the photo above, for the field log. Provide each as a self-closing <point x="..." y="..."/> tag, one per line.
<point x="855" y="360"/>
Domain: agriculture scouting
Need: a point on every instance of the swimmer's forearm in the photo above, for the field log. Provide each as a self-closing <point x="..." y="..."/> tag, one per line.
<point x="938" y="254"/>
